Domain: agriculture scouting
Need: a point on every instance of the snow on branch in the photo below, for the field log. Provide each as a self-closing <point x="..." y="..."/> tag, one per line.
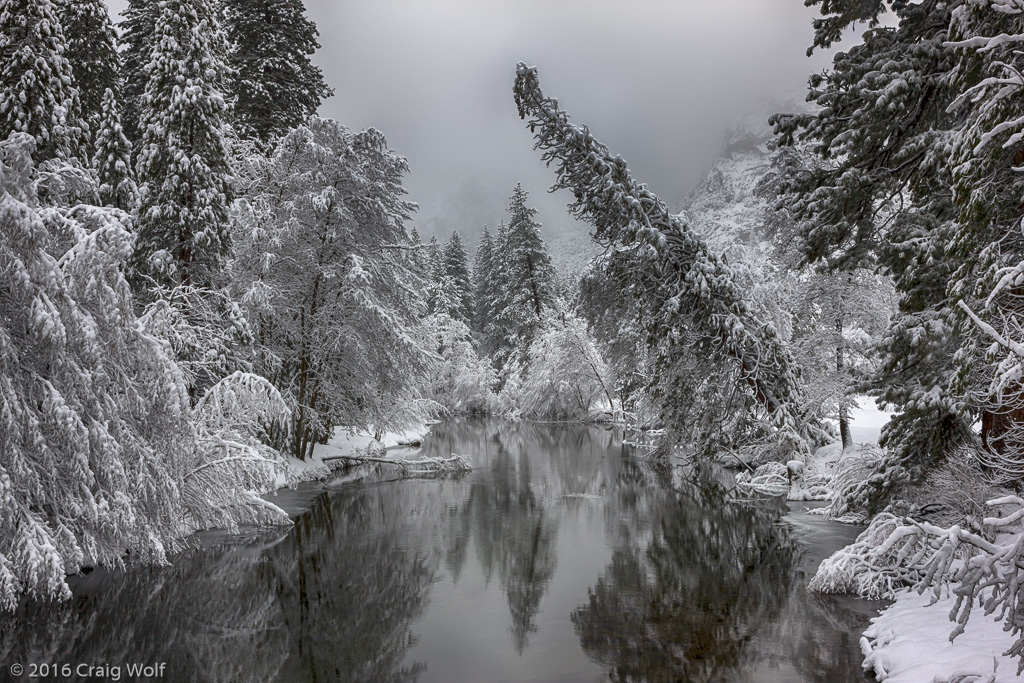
<point x="456" y="464"/>
<point x="685" y="289"/>
<point x="984" y="567"/>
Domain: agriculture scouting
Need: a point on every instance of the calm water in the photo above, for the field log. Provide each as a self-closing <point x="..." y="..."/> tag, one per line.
<point x="559" y="558"/>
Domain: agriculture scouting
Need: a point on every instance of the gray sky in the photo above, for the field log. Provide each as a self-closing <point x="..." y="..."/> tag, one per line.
<point x="658" y="81"/>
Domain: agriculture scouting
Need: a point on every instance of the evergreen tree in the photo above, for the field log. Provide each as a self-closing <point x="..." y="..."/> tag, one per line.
<point x="440" y="289"/>
<point x="696" y="314"/>
<point x="91" y="52"/>
<point x="137" y="32"/>
<point x="36" y="93"/>
<point x="525" y="277"/>
<point x="880" y="196"/>
<point x="275" y="86"/>
<point x="112" y="159"/>
<point x="183" y="168"/>
<point x="483" y="286"/>
<point x="987" y="160"/>
<point x="456" y="269"/>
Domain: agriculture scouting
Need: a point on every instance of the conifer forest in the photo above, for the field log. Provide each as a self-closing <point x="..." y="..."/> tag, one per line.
<point x="280" y="402"/>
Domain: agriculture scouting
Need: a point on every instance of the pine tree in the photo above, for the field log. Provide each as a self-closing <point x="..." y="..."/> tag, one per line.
<point x="483" y="286"/>
<point x="691" y="302"/>
<point x="91" y="52"/>
<point x="137" y="39"/>
<point x="275" y="85"/>
<point x="112" y="159"/>
<point x="183" y="168"/>
<point x="456" y="269"/>
<point x="880" y="197"/>
<point x="987" y="160"/>
<point x="525" y="276"/>
<point x="36" y="93"/>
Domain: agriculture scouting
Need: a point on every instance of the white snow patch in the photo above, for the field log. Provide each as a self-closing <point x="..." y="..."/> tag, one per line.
<point x="909" y="643"/>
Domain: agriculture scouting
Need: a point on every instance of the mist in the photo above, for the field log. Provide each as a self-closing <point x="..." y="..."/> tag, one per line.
<point x="659" y="82"/>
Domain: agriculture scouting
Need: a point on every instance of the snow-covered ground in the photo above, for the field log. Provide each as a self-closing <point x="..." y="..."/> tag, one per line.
<point x="812" y="477"/>
<point x="346" y="441"/>
<point x="909" y="643"/>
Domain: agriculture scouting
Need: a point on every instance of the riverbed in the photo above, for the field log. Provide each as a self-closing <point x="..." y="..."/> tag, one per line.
<point x="562" y="557"/>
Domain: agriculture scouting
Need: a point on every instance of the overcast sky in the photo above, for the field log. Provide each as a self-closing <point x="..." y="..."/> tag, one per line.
<point x="658" y="81"/>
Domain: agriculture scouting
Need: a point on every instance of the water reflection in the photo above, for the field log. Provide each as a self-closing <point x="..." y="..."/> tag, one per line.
<point x="559" y="558"/>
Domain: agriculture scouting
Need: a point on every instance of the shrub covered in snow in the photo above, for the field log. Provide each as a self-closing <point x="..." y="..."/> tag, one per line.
<point x="984" y="568"/>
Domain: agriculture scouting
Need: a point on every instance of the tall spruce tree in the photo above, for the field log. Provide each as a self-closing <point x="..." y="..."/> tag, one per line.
<point x="483" y="287"/>
<point x="137" y="31"/>
<point x="112" y="159"/>
<point x="275" y="86"/>
<point x="525" y="277"/>
<point x="456" y="268"/>
<point x="36" y="92"/>
<point x="92" y="53"/>
<point x="183" y="167"/>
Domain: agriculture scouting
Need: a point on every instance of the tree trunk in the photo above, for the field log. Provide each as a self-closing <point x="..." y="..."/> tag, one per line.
<point x="844" y="411"/>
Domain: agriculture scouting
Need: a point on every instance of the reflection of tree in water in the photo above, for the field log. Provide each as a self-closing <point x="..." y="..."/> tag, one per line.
<point x="324" y="601"/>
<point x="514" y="528"/>
<point x="682" y="600"/>
<point x="349" y="591"/>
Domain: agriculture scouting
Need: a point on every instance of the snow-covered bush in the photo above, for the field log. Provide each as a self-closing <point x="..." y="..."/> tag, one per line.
<point x="460" y="380"/>
<point x="984" y="568"/>
<point x="566" y="376"/>
<point x="233" y="422"/>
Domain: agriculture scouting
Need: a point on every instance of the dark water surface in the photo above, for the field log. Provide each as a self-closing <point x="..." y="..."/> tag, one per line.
<point x="559" y="558"/>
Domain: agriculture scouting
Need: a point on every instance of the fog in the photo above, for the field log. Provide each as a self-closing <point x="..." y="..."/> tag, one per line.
<point x="658" y="81"/>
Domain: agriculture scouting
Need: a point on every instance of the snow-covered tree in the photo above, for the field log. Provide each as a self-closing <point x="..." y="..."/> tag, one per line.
<point x="112" y="159"/>
<point x="274" y="85"/>
<point x="566" y="377"/>
<point x="459" y="380"/>
<point x="876" y="193"/>
<point x="839" y="319"/>
<point x="94" y="430"/>
<point x="136" y="49"/>
<point x="989" y="238"/>
<point x="183" y="169"/>
<point x="524" y="279"/>
<point x="484" y="274"/>
<point x="322" y="272"/>
<point x="456" y="269"/>
<point x="694" y="309"/>
<point x="37" y="95"/>
<point x="92" y="54"/>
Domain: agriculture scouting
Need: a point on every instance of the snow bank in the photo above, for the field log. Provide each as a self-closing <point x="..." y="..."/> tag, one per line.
<point x="346" y="441"/>
<point x="909" y="643"/>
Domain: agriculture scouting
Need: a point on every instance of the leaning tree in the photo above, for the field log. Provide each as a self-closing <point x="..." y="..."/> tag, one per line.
<point x="724" y="374"/>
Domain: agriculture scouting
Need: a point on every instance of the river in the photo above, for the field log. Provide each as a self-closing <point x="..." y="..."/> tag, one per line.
<point x="560" y="558"/>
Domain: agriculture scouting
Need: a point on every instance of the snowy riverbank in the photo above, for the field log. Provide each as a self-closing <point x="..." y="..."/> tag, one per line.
<point x="909" y="643"/>
<point x="330" y="456"/>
